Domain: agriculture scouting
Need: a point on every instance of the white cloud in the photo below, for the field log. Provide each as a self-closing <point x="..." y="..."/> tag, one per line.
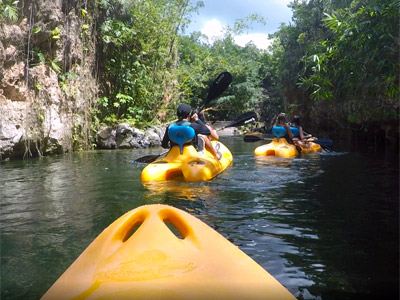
<point x="214" y="29"/>
<point x="260" y="40"/>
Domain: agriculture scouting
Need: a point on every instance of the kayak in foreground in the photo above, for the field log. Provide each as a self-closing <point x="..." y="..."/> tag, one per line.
<point x="190" y="165"/>
<point x="278" y="147"/>
<point x="161" y="252"/>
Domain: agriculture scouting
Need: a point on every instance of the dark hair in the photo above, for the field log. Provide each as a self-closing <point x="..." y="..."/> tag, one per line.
<point x="281" y="118"/>
<point x="296" y="120"/>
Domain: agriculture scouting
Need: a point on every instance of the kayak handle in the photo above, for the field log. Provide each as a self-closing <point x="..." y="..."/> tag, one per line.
<point x="157" y="218"/>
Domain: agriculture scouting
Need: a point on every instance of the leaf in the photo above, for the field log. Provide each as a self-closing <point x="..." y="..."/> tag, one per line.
<point x="36" y="29"/>
<point x="55" y="66"/>
<point x="56" y="33"/>
<point x="83" y="12"/>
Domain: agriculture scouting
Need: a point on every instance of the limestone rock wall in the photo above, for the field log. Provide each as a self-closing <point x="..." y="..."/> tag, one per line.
<point x="47" y="78"/>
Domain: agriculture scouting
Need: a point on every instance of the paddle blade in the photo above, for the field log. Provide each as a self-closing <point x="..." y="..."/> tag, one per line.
<point x="219" y="85"/>
<point x="243" y="119"/>
<point x="253" y="137"/>
<point x="148" y="158"/>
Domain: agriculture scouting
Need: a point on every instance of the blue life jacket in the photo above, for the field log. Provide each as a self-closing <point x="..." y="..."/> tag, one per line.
<point x="295" y="131"/>
<point x="181" y="133"/>
<point x="280" y="131"/>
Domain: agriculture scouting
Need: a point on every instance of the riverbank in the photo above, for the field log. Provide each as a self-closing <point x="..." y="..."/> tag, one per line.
<point x="14" y="145"/>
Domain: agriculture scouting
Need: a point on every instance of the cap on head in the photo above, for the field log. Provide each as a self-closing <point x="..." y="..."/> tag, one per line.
<point x="183" y="110"/>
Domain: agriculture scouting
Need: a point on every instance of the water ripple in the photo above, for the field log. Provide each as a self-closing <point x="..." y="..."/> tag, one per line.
<point x="324" y="225"/>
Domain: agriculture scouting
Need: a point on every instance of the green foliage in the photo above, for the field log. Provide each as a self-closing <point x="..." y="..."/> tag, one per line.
<point x="40" y="58"/>
<point x="200" y="63"/>
<point x="85" y="28"/>
<point x="55" y="65"/>
<point x="150" y="67"/>
<point x="38" y="87"/>
<point x="345" y="52"/>
<point x="56" y="33"/>
<point x="83" y="13"/>
<point x="9" y="10"/>
<point x="36" y="29"/>
<point x="64" y="79"/>
<point x="138" y="45"/>
<point x="336" y="55"/>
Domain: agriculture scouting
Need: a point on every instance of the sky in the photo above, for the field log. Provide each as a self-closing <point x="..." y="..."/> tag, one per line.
<point x="217" y="14"/>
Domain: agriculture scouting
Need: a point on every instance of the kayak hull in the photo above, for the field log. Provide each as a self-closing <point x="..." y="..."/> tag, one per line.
<point x="277" y="147"/>
<point x="190" y="165"/>
<point x="161" y="252"/>
<point x="311" y="148"/>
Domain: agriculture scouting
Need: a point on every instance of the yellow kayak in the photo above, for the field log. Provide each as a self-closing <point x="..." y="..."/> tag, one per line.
<point x="180" y="190"/>
<point x="278" y="147"/>
<point x="160" y="252"/>
<point x="188" y="166"/>
<point x="311" y="148"/>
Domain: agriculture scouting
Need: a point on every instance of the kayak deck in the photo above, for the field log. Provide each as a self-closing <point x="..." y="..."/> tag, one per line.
<point x="281" y="148"/>
<point x="277" y="147"/>
<point x="190" y="165"/>
<point x="161" y="252"/>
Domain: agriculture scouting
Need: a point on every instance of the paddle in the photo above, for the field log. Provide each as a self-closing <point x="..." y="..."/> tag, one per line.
<point x="252" y="137"/>
<point x="150" y="158"/>
<point x="325" y="143"/>
<point x="243" y="119"/>
<point x="217" y="87"/>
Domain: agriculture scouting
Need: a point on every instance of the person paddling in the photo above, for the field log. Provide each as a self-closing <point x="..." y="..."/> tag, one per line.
<point x="214" y="135"/>
<point x="184" y="112"/>
<point x="205" y="140"/>
<point x="301" y="138"/>
<point x="282" y="121"/>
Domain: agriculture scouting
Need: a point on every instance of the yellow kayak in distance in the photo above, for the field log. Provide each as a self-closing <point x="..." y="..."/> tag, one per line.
<point x="191" y="165"/>
<point x="311" y="148"/>
<point x="281" y="148"/>
<point x="161" y="252"/>
<point x="277" y="147"/>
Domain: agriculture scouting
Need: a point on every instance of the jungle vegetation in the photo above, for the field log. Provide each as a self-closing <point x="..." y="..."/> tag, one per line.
<point x="336" y="63"/>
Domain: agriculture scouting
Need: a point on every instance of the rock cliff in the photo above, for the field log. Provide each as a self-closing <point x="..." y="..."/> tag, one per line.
<point x="47" y="78"/>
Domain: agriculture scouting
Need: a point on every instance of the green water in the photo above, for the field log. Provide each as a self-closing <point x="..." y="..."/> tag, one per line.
<point x="326" y="226"/>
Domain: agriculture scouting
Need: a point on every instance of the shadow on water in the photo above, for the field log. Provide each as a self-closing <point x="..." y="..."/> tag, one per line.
<point x="326" y="226"/>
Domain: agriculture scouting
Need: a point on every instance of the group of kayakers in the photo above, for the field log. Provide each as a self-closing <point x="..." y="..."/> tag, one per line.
<point x="294" y="132"/>
<point x="204" y="133"/>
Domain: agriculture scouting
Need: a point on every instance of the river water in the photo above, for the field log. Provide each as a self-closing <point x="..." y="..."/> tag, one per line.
<point x="326" y="226"/>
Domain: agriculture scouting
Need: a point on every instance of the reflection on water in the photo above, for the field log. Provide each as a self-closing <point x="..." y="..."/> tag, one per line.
<point x="326" y="226"/>
<point x="178" y="190"/>
<point x="273" y="161"/>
